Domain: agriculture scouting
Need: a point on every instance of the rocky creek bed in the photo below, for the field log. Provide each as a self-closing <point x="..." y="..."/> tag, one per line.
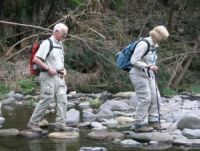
<point x="101" y="122"/>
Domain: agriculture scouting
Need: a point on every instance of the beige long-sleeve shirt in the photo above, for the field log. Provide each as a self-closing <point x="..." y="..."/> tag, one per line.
<point x="138" y="61"/>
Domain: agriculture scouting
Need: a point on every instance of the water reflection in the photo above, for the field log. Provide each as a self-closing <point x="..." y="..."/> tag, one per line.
<point x="59" y="144"/>
<point x="34" y="145"/>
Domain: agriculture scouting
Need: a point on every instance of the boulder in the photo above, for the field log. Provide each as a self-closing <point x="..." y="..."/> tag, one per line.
<point x="70" y="105"/>
<point x="98" y="126"/>
<point x="85" y="124"/>
<point x="187" y="142"/>
<point x="9" y="101"/>
<point x="84" y="105"/>
<point x="176" y="98"/>
<point x="124" y="120"/>
<point x="114" y="105"/>
<point x="72" y="117"/>
<point x="93" y="149"/>
<point x="191" y="133"/>
<point x="43" y="123"/>
<point x="30" y="134"/>
<point x="124" y="95"/>
<point x="2" y="120"/>
<point x="189" y="121"/>
<point x="153" y="136"/>
<point x="64" y="135"/>
<point x="105" y="113"/>
<point x="9" y="132"/>
<point x="89" y="116"/>
<point x="103" y="135"/>
<point x="130" y="143"/>
<point x="111" y="123"/>
<point x="17" y="96"/>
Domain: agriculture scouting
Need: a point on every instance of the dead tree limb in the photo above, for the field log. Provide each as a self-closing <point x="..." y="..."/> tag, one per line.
<point x="25" y="25"/>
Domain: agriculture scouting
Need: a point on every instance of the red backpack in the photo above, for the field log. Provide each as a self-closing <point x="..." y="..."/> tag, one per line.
<point x="34" y="68"/>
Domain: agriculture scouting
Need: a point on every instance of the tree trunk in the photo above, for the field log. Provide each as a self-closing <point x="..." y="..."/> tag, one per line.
<point x="171" y="14"/>
<point x="34" y="14"/>
<point x="185" y="65"/>
<point x="1" y="16"/>
<point x="49" y="12"/>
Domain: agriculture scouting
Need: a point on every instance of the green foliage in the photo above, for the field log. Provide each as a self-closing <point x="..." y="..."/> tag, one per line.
<point x="195" y="65"/>
<point x="163" y="77"/>
<point x="195" y="89"/>
<point x="167" y="91"/>
<point x="27" y="85"/>
<point x="3" y="89"/>
<point x="117" y="4"/>
<point x="74" y="3"/>
<point x="95" y="103"/>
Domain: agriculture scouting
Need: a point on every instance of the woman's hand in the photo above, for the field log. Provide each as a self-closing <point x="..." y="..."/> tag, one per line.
<point x="153" y="68"/>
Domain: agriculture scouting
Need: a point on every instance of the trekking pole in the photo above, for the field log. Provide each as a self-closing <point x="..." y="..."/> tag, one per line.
<point x="158" y="104"/>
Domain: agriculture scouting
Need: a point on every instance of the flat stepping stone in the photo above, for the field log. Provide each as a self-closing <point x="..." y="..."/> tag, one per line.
<point x="64" y="135"/>
<point x="30" y="134"/>
<point x="152" y="136"/>
<point x="103" y="135"/>
<point x="187" y="142"/>
<point x="9" y="132"/>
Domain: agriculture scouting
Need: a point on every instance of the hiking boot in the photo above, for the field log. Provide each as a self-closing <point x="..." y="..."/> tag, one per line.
<point x="34" y="127"/>
<point x="143" y="128"/>
<point x="63" y="127"/>
<point x="156" y="125"/>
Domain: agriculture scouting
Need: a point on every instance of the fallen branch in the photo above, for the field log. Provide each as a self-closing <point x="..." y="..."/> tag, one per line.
<point x="178" y="55"/>
<point x="25" y="25"/>
<point x="20" y="42"/>
<point x="18" y="52"/>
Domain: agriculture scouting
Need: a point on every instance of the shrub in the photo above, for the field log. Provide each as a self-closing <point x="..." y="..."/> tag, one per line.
<point x="27" y="85"/>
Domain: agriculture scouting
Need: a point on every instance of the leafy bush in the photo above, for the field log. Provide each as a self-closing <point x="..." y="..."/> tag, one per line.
<point x="167" y="91"/>
<point x="27" y="85"/>
<point x="3" y="89"/>
<point x="195" y="89"/>
<point x="95" y="103"/>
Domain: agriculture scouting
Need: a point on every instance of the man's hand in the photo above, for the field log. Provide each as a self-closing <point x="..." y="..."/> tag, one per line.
<point x="52" y="71"/>
<point x="64" y="73"/>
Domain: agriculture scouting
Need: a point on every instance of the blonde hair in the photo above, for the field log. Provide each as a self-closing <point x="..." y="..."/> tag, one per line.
<point x="159" y="33"/>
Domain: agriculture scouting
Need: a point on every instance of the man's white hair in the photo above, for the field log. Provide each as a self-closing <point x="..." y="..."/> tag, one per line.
<point x="59" y="27"/>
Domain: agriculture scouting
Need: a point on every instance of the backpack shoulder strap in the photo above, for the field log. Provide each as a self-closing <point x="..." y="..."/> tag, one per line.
<point x="50" y="46"/>
<point x="148" y="47"/>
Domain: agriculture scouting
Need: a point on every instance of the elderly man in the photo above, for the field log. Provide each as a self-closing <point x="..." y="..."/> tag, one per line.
<point x="51" y="78"/>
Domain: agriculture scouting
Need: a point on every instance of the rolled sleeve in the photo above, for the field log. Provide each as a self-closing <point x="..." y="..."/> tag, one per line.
<point x="136" y="58"/>
<point x="43" y="50"/>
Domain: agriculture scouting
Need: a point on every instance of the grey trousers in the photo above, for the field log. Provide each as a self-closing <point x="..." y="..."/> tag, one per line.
<point x="147" y="106"/>
<point x="53" y="89"/>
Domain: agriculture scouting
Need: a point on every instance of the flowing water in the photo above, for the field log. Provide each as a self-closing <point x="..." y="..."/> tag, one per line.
<point x="18" y="116"/>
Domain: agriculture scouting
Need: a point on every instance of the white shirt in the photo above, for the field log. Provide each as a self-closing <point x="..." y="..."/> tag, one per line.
<point x="55" y="59"/>
<point x="149" y="59"/>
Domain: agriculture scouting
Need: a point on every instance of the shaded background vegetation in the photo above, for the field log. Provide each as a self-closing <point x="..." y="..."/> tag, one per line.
<point x="98" y="30"/>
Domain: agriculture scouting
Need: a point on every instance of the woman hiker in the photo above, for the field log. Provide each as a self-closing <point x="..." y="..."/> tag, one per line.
<point x="142" y="76"/>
